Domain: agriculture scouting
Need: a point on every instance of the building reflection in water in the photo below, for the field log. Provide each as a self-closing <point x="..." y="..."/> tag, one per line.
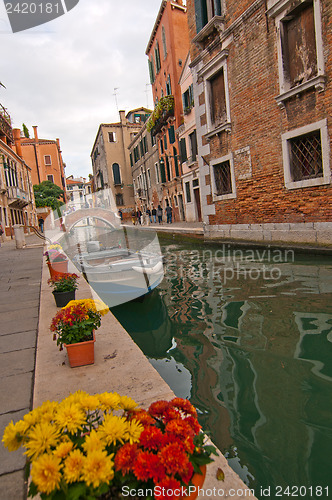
<point x="253" y="352"/>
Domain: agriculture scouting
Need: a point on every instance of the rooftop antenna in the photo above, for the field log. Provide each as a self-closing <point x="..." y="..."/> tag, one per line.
<point x="147" y="94"/>
<point x="116" y="101"/>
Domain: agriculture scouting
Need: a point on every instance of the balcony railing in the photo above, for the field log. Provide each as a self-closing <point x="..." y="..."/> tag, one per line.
<point x="163" y="110"/>
<point x="5" y="124"/>
<point x="17" y="198"/>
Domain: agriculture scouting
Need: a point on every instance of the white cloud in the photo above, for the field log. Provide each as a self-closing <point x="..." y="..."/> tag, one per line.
<point x="61" y="76"/>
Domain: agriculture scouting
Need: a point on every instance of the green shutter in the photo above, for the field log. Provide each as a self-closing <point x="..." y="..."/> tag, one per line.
<point x="201" y="14"/>
<point x="183" y="150"/>
<point x="162" y="170"/>
<point x="217" y="7"/>
<point x="171" y="135"/>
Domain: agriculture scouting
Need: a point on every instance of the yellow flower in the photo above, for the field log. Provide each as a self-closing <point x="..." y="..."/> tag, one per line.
<point x="90" y="304"/>
<point x="47" y="410"/>
<point x="13" y="435"/>
<point x="63" y="449"/>
<point x="41" y="438"/>
<point x="73" y="466"/>
<point x="109" y="401"/>
<point x="70" y="416"/>
<point x="46" y="473"/>
<point x="93" y="442"/>
<point x="98" y="468"/>
<point x="127" y="403"/>
<point x="113" y="429"/>
<point x="86" y="401"/>
<point x="134" y="431"/>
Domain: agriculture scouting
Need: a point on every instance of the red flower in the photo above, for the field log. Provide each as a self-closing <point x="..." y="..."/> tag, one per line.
<point x="148" y="466"/>
<point x="180" y="428"/>
<point x="125" y="457"/>
<point x="143" y="417"/>
<point x="193" y="422"/>
<point x="167" y="488"/>
<point x="158" y="408"/>
<point x="174" y="458"/>
<point x="184" y="405"/>
<point x="152" y="438"/>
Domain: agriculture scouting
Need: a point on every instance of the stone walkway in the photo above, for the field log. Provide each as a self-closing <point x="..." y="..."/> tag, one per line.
<point x="20" y="280"/>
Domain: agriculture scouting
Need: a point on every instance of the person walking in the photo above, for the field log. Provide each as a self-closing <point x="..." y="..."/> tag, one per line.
<point x="154" y="215"/>
<point x="139" y="215"/>
<point x="41" y="224"/>
<point x="160" y="214"/>
<point x="148" y="213"/>
<point x="169" y="211"/>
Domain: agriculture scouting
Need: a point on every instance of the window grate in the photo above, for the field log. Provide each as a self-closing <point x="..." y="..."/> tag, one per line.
<point x="306" y="156"/>
<point x="222" y="176"/>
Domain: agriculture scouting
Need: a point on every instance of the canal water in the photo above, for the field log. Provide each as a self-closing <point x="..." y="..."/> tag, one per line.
<point x="246" y="335"/>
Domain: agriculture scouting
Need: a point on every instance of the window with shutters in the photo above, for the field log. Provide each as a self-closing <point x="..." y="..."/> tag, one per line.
<point x="157" y="57"/>
<point x="217" y="102"/>
<point x="151" y="70"/>
<point x="176" y="163"/>
<point x="168" y="86"/>
<point x="188" y="100"/>
<point x="156" y="167"/>
<point x="116" y="174"/>
<point x="205" y="10"/>
<point x="119" y="199"/>
<point x="183" y="150"/>
<point x="163" y="36"/>
<point x="47" y="160"/>
<point x="171" y="134"/>
<point x="188" y="192"/>
<point x="217" y="98"/>
<point x="306" y="156"/>
<point x="111" y="137"/>
<point x="300" y="46"/>
<point x="223" y="179"/>
<point x="193" y="145"/>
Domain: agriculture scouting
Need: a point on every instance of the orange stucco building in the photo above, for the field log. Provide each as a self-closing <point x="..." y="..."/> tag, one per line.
<point x="44" y="158"/>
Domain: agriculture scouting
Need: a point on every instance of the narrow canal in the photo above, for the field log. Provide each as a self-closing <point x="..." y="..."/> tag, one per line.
<point x="246" y="335"/>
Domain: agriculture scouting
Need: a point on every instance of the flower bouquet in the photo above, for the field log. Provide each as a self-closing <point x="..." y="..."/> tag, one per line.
<point x="103" y="446"/>
<point x="64" y="287"/>
<point x="73" y="327"/>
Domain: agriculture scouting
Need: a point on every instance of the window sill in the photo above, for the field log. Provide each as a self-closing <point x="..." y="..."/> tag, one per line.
<point x="217" y="22"/>
<point x="225" y="127"/>
<point x="306" y="183"/>
<point x="229" y="196"/>
<point x="318" y="82"/>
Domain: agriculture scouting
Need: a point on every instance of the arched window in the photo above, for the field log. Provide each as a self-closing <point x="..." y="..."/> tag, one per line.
<point x="116" y="173"/>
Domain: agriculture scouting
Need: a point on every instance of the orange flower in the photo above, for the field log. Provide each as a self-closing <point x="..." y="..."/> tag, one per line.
<point x="184" y="405"/>
<point x="148" y="466"/>
<point x="168" y="485"/>
<point x="174" y="458"/>
<point x="125" y="457"/>
<point x="152" y="438"/>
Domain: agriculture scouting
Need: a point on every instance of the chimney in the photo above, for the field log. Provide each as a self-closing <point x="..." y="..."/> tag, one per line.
<point x="35" y="132"/>
<point x="122" y="116"/>
<point x="17" y="140"/>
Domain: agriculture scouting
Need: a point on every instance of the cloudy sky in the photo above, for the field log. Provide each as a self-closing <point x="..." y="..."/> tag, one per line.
<point x="61" y="76"/>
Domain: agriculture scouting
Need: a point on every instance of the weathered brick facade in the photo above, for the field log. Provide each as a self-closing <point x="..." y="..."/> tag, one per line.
<point x="259" y="115"/>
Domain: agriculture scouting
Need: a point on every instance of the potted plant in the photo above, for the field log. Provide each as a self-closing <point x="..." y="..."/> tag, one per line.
<point x="64" y="287"/>
<point x="74" y="328"/>
<point x="103" y="446"/>
<point x="56" y="260"/>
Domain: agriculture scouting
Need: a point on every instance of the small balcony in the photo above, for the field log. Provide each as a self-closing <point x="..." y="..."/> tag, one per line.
<point x="17" y="198"/>
<point x="5" y="124"/>
<point x="162" y="112"/>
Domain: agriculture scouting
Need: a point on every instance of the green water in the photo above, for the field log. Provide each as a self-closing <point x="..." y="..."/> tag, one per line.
<point x="246" y="335"/>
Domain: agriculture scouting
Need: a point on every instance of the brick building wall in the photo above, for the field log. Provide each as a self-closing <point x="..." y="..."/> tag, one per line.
<point x="260" y="114"/>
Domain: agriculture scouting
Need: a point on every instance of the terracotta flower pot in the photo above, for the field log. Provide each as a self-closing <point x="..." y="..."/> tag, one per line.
<point x="58" y="268"/>
<point x="62" y="298"/>
<point x="197" y="481"/>
<point x="82" y="353"/>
